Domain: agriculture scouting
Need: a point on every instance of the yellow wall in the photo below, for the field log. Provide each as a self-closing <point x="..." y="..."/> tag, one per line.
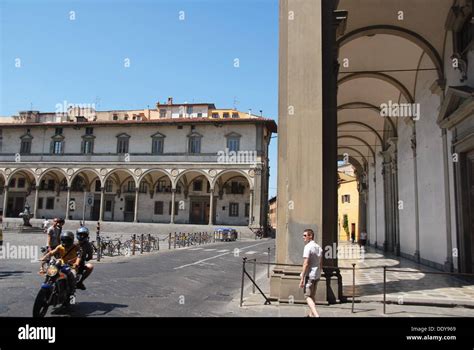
<point x="348" y="186"/>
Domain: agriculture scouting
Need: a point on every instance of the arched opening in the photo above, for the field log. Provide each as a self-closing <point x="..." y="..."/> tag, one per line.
<point x="156" y="193"/>
<point x="197" y="203"/>
<point x="85" y="192"/>
<point x="124" y="191"/>
<point x="52" y="189"/>
<point x="20" y="192"/>
<point x="235" y="203"/>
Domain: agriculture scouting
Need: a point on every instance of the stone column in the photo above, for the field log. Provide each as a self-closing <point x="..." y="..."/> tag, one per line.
<point x="135" y="219"/>
<point x="251" y="208"/>
<point x="5" y="201"/>
<point x="102" y="198"/>
<point x="211" y="207"/>
<point x="35" y="207"/>
<point x="307" y="144"/>
<point x="415" y="181"/>
<point x="173" y="195"/>
<point x="68" y="199"/>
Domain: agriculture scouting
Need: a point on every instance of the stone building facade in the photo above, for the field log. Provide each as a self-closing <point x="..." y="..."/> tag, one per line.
<point x="173" y="164"/>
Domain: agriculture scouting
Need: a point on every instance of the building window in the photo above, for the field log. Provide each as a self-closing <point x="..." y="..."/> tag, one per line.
<point x="25" y="147"/>
<point x="88" y="146"/>
<point x="247" y="210"/>
<point x="235" y="115"/>
<point x="197" y="185"/>
<point x="58" y="131"/>
<point x="40" y="203"/>
<point x="13" y="183"/>
<point x="233" y="144"/>
<point x="115" y="117"/>
<point x="346" y="198"/>
<point x="159" y="208"/>
<point x="57" y="147"/>
<point x="108" y="206"/>
<point x="108" y="186"/>
<point x="78" y="184"/>
<point x="157" y="145"/>
<point x="225" y="115"/>
<point x="131" y="186"/>
<point x="194" y="144"/>
<point x="199" y="115"/>
<point x="50" y="203"/>
<point x="89" y="131"/>
<point x="189" y="110"/>
<point x="215" y="115"/>
<point x="122" y="143"/>
<point x="143" y="187"/>
<point x="237" y="187"/>
<point x="176" y="204"/>
<point x="97" y="185"/>
<point x="162" y="113"/>
<point x="162" y="187"/>
<point x="47" y="186"/>
<point x="233" y="209"/>
<point x="21" y="182"/>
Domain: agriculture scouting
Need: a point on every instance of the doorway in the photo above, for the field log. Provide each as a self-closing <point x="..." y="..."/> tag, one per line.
<point x="129" y="212"/>
<point x="15" y="205"/>
<point x="95" y="210"/>
<point x="200" y="209"/>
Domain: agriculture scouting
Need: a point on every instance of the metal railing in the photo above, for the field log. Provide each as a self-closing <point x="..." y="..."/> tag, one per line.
<point x="383" y="269"/>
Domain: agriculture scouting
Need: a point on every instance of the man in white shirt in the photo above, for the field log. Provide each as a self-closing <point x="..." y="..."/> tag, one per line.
<point x="312" y="263"/>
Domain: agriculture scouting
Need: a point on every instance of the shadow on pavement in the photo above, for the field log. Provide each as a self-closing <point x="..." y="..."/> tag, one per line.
<point x="85" y="309"/>
<point x="5" y="274"/>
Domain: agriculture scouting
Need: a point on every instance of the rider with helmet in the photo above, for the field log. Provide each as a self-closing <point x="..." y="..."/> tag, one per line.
<point x="68" y="252"/>
<point x="85" y="254"/>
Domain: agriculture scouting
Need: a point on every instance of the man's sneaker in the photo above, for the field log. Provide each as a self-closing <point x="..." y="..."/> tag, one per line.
<point x="80" y="286"/>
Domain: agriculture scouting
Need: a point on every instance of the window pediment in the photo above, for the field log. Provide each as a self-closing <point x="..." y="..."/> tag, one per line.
<point x="194" y="134"/>
<point x="123" y="136"/>
<point x="26" y="137"/>
<point x="57" y="137"/>
<point x="233" y="134"/>
<point x="158" y="135"/>
<point x="458" y="105"/>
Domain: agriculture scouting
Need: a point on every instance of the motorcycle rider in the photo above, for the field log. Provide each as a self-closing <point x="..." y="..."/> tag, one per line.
<point x="85" y="254"/>
<point x="68" y="252"/>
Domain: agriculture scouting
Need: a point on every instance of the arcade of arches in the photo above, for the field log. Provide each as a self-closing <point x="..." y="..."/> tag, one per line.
<point x="397" y="99"/>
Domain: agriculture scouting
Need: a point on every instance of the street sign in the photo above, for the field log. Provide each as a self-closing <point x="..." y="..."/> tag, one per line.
<point x="90" y="199"/>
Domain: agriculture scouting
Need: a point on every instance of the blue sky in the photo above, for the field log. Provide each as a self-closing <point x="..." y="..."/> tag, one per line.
<point x="82" y="60"/>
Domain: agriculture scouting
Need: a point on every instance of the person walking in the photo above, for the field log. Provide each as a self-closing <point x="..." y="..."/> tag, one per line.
<point x="311" y="273"/>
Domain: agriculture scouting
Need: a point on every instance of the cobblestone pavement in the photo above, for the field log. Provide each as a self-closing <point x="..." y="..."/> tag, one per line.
<point x="402" y="287"/>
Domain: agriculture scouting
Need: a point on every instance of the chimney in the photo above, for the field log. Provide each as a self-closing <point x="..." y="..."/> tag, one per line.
<point x="170" y="100"/>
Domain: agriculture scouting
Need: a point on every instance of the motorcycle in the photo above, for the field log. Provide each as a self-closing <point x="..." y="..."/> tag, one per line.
<point x="55" y="289"/>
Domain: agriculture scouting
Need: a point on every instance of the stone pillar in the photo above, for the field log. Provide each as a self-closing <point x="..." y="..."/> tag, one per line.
<point x="173" y="195"/>
<point x="257" y="199"/>
<point x="102" y="198"/>
<point x="5" y="201"/>
<point x="68" y="199"/>
<point x="251" y="208"/>
<point x="135" y="218"/>
<point x="415" y="181"/>
<point x="35" y="207"/>
<point x="307" y="147"/>
<point x="211" y="207"/>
